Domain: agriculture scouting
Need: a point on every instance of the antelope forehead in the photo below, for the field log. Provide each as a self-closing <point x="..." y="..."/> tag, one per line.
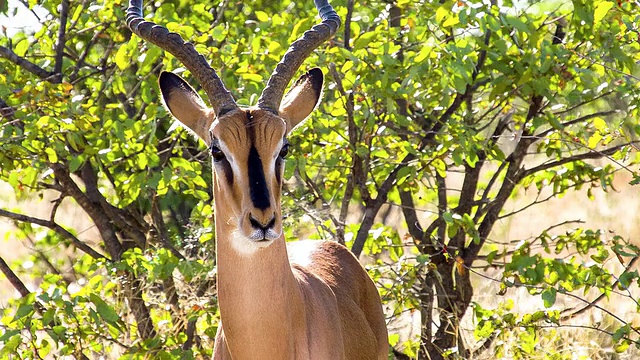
<point x="267" y="134"/>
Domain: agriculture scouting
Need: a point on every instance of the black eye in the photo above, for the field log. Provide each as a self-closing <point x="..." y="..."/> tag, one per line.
<point x="284" y="151"/>
<point x="216" y="153"/>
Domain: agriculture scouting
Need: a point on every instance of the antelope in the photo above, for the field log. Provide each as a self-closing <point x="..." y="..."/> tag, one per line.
<point x="277" y="300"/>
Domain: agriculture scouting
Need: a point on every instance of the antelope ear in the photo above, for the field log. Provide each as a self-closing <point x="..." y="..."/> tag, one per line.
<point x="184" y="103"/>
<point x="303" y="97"/>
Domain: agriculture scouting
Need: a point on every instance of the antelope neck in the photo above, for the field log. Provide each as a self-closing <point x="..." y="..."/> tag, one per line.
<point x="258" y="294"/>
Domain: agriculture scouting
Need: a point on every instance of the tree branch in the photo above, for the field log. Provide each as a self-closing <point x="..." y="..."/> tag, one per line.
<point x="593" y="154"/>
<point x="161" y="229"/>
<point x="64" y="12"/>
<point x="24" y="63"/>
<point x="13" y="278"/>
<point x="467" y="195"/>
<point x="113" y="245"/>
<point x="514" y="173"/>
<point x="410" y="216"/>
<point x="55" y="227"/>
<point x="6" y="111"/>
<point x="347" y="24"/>
<point x="577" y="121"/>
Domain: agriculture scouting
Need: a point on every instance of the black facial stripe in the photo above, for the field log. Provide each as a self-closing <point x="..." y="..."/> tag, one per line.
<point x="257" y="183"/>
<point x="279" y="170"/>
<point x="226" y="169"/>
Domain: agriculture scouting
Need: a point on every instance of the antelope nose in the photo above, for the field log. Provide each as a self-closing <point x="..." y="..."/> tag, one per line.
<point x="262" y="226"/>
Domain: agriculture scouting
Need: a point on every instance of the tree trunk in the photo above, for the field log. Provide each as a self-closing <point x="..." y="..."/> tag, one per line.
<point x="453" y="292"/>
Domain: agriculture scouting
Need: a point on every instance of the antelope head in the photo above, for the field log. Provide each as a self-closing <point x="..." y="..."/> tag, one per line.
<point x="248" y="145"/>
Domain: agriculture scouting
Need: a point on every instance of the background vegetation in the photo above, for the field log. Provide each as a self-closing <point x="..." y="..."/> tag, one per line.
<point x="442" y="123"/>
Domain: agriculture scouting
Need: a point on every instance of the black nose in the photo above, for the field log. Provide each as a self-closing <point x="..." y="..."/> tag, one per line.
<point x="264" y="227"/>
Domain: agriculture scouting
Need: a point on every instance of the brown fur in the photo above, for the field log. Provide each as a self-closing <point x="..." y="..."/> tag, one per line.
<point x="305" y="300"/>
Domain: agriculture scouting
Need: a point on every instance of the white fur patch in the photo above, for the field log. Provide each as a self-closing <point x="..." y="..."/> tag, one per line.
<point x="300" y="252"/>
<point x="246" y="246"/>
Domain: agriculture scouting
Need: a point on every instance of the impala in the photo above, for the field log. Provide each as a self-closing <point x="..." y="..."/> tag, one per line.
<point x="301" y="300"/>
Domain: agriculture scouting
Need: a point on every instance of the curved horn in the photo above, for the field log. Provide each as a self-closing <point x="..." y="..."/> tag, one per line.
<point x="297" y="53"/>
<point x="220" y="98"/>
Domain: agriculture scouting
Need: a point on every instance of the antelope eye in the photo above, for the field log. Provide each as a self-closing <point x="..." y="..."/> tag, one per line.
<point x="284" y="151"/>
<point x="216" y="153"/>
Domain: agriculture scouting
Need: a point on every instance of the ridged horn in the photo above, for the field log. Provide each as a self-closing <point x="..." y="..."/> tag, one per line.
<point x="298" y="51"/>
<point x="220" y="98"/>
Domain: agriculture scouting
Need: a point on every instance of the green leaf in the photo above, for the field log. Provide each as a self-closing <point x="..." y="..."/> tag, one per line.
<point x="549" y="297"/>
<point x="105" y="311"/>
<point x="23" y="311"/>
<point x="252" y="77"/>
<point x="262" y="16"/>
<point x="600" y="11"/>
<point x="621" y="333"/>
<point x="122" y="57"/>
<point x="518" y="24"/>
<point x="453" y="20"/>
<point x="441" y="13"/>
<point x="10" y="347"/>
<point x="363" y="40"/>
<point x="51" y="155"/>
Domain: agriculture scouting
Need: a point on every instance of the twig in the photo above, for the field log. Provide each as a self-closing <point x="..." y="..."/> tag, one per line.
<point x="35" y="14"/>
<point x="578" y="120"/>
<point x="6" y="110"/>
<point x="55" y="227"/>
<point x="593" y="154"/>
<point x="13" y="278"/>
<point x="220" y="13"/>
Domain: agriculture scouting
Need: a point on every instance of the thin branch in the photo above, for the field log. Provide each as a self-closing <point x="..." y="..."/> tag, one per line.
<point x="467" y="194"/>
<point x="26" y="5"/>
<point x="593" y="304"/>
<point x="64" y="12"/>
<point x="577" y="121"/>
<point x="161" y="229"/>
<point x="67" y="279"/>
<point x="220" y="13"/>
<point x="24" y="63"/>
<point x="604" y="65"/>
<point x="102" y="222"/>
<point x="13" y="278"/>
<point x="347" y="24"/>
<point x="357" y="164"/>
<point x="583" y="103"/>
<point x="86" y="51"/>
<point x="487" y="190"/>
<point x="6" y="110"/>
<point x="55" y="227"/>
<point x="441" y="182"/>
<point x="593" y="154"/>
